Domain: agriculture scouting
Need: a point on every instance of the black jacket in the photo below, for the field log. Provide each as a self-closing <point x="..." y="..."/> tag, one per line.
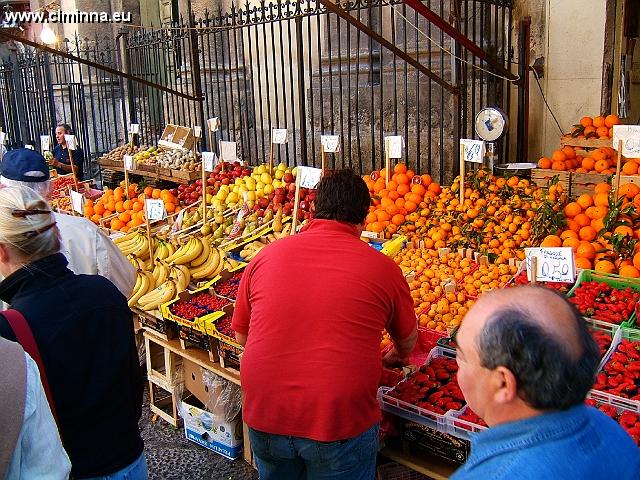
<point x="83" y="328"/>
<point x="62" y="155"/>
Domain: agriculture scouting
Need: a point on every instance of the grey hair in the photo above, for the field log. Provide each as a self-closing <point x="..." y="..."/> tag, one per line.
<point x="547" y="376"/>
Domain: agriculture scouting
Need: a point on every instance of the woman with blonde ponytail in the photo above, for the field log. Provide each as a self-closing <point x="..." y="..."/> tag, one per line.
<point x="79" y="327"/>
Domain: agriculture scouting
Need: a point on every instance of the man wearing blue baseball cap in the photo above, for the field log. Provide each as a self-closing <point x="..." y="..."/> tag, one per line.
<point x="88" y="250"/>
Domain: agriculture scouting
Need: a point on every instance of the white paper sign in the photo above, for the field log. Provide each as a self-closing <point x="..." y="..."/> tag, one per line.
<point x="394" y="145"/>
<point x="71" y="141"/>
<point x="555" y="264"/>
<point x="45" y="142"/>
<point x="134" y="128"/>
<point x="331" y="143"/>
<point x="129" y="163"/>
<point x="630" y="136"/>
<point x="155" y="209"/>
<point x="3" y="138"/>
<point x="30" y="147"/>
<point x="279" y="135"/>
<point x="197" y="131"/>
<point x="473" y="150"/>
<point x="309" y="176"/>
<point x="228" y="151"/>
<point x="77" y="202"/>
<point x="209" y="160"/>
<point x="214" y="124"/>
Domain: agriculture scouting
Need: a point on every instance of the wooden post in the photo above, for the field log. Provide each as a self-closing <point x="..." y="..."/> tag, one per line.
<point x="131" y="139"/>
<point x="210" y="137"/>
<point x="126" y="178"/>
<point x="73" y="169"/>
<point x="271" y="157"/>
<point x="534" y="270"/>
<point x="462" y="174"/>
<point x="296" y="202"/>
<point x="324" y="160"/>
<point x="149" y="239"/>
<point x="618" y="168"/>
<point x="73" y="210"/>
<point x="387" y="163"/>
<point x="204" y="194"/>
<point x="221" y="158"/>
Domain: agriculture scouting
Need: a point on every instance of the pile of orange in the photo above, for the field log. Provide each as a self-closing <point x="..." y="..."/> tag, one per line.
<point x="122" y="214"/>
<point x="595" y="127"/>
<point x="586" y="234"/>
<point x="601" y="160"/>
<point x="396" y="202"/>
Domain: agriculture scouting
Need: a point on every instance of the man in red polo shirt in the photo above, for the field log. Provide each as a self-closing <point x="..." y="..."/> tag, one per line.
<point x="310" y="312"/>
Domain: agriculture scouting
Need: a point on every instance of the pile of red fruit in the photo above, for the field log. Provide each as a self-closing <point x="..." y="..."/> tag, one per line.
<point x="433" y="387"/>
<point x="521" y="279"/>
<point x="198" y="305"/>
<point x="604" y="302"/>
<point x="630" y="421"/>
<point x="285" y="197"/>
<point x="224" y="327"/>
<point x="470" y="416"/>
<point x="188" y="194"/>
<point x="603" y="339"/>
<point x="229" y="288"/>
<point x="620" y="376"/>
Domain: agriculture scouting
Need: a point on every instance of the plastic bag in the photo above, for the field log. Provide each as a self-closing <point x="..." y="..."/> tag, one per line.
<point x="226" y="400"/>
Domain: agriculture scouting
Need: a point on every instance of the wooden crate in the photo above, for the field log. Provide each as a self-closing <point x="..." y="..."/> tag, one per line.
<point x="586" y="183"/>
<point x="541" y="176"/>
<point x="163" y="366"/>
<point x="568" y="140"/>
<point x="185" y="175"/>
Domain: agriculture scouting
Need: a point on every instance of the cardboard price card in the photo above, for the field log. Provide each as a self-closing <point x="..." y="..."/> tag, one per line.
<point x="279" y="135"/>
<point x="134" y="128"/>
<point x="228" y="151"/>
<point x="331" y="143"/>
<point x="197" y="131"/>
<point x="309" y="177"/>
<point x="154" y="209"/>
<point x="3" y="138"/>
<point x="554" y="264"/>
<point x="77" y="201"/>
<point x="71" y="142"/>
<point x="129" y="163"/>
<point x="30" y="147"/>
<point x="630" y="137"/>
<point x="45" y="142"/>
<point x="473" y="150"/>
<point x="209" y="161"/>
<point x="214" y="124"/>
<point x="394" y="146"/>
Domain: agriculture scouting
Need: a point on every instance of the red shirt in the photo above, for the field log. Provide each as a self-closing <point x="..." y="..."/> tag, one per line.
<point x="314" y="306"/>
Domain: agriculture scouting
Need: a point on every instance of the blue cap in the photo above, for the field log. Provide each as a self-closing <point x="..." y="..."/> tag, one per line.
<point x="24" y="165"/>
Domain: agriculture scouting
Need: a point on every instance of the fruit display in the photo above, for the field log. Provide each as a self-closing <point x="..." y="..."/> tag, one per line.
<point x="629" y="421"/>
<point x="60" y="186"/>
<point x="179" y="159"/>
<point x="521" y="279"/>
<point x="469" y="416"/>
<point x="117" y="154"/>
<point x="603" y="339"/>
<point x="199" y="305"/>
<point x="600" y="126"/>
<point x="146" y="156"/>
<point x="229" y="288"/>
<point x="601" y="301"/>
<point x="224" y="327"/>
<point x="620" y="376"/>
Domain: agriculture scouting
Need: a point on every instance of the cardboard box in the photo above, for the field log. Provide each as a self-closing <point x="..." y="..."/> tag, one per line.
<point x="419" y="439"/>
<point x="194" y="382"/>
<point x="201" y="427"/>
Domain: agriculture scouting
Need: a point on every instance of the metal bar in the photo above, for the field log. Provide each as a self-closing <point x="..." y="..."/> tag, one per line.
<point x="291" y="91"/>
<point x="301" y="92"/>
<point x="524" y="58"/>
<point x="260" y="97"/>
<point x="341" y="96"/>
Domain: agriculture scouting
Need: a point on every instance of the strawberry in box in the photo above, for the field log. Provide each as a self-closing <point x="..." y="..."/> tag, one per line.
<point x="620" y="376"/>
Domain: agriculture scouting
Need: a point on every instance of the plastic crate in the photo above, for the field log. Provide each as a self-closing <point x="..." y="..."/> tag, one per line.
<point x="461" y="428"/>
<point x="605" y="397"/>
<point x="605" y="401"/>
<point x="412" y="412"/>
<point x="609" y="328"/>
<point x="612" y="280"/>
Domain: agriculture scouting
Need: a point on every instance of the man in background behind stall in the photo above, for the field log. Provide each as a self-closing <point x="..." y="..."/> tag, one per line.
<point x="526" y="363"/>
<point x="86" y="248"/>
<point x="61" y="160"/>
<point x="310" y="311"/>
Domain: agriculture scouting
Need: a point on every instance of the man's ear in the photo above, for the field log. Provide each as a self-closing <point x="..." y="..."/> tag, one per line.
<point x="504" y="385"/>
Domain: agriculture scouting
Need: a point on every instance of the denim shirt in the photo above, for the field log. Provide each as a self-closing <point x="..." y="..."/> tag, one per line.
<point x="579" y="443"/>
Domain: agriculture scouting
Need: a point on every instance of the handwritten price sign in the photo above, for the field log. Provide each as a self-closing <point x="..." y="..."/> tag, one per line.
<point x="473" y="150"/>
<point x="45" y="142"/>
<point x="214" y="124"/>
<point x="553" y="264"/>
<point x="197" y="131"/>
<point x="77" y="202"/>
<point x="331" y="143"/>
<point x="394" y="146"/>
<point x="309" y="176"/>
<point x="154" y="209"/>
<point x="279" y="135"/>
<point x="134" y="128"/>
<point x="71" y="142"/>
<point x="228" y="151"/>
<point x="630" y="136"/>
<point x="209" y="161"/>
<point x="129" y="163"/>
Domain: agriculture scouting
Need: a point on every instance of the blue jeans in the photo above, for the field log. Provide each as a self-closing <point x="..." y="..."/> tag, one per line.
<point x="282" y="457"/>
<point x="135" y="471"/>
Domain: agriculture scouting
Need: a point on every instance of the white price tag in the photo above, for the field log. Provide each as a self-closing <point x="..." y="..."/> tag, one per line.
<point x="394" y="145"/>
<point x="3" y="138"/>
<point x="630" y="136"/>
<point x="155" y="209"/>
<point x="30" y="147"/>
<point x="71" y="142"/>
<point x="77" y="202"/>
<point x="309" y="176"/>
<point x="134" y="128"/>
<point x="554" y="264"/>
<point x="209" y="160"/>
<point x="279" y="135"/>
<point x="228" y="151"/>
<point x="129" y="163"/>
<point x="473" y="150"/>
<point x="197" y="131"/>
<point x="45" y="142"/>
<point x="214" y="124"/>
<point x="331" y="143"/>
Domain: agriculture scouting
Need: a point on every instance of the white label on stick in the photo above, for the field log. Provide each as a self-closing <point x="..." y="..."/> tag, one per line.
<point x="309" y="176"/>
<point x="197" y="131"/>
<point x="71" y="141"/>
<point x="129" y="163"/>
<point x="279" y="135"/>
<point x="30" y="147"/>
<point x="45" y="142"/>
<point x="331" y="143"/>
<point x="394" y="146"/>
<point x="3" y="138"/>
<point x="134" y="128"/>
<point x="209" y="160"/>
<point x="214" y="124"/>
<point x="473" y="150"/>
<point x="228" y="151"/>
<point x="554" y="264"/>
<point x="630" y="136"/>
<point x="155" y="209"/>
<point x="77" y="202"/>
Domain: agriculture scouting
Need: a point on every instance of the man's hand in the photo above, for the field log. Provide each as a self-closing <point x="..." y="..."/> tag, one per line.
<point x="393" y="359"/>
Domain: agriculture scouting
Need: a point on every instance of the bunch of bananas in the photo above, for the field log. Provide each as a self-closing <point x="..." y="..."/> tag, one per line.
<point x="135" y="244"/>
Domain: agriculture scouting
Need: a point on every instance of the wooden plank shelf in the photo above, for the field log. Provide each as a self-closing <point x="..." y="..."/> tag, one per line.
<point x="183" y="177"/>
<point x="568" y="140"/>
<point x="429" y="465"/>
